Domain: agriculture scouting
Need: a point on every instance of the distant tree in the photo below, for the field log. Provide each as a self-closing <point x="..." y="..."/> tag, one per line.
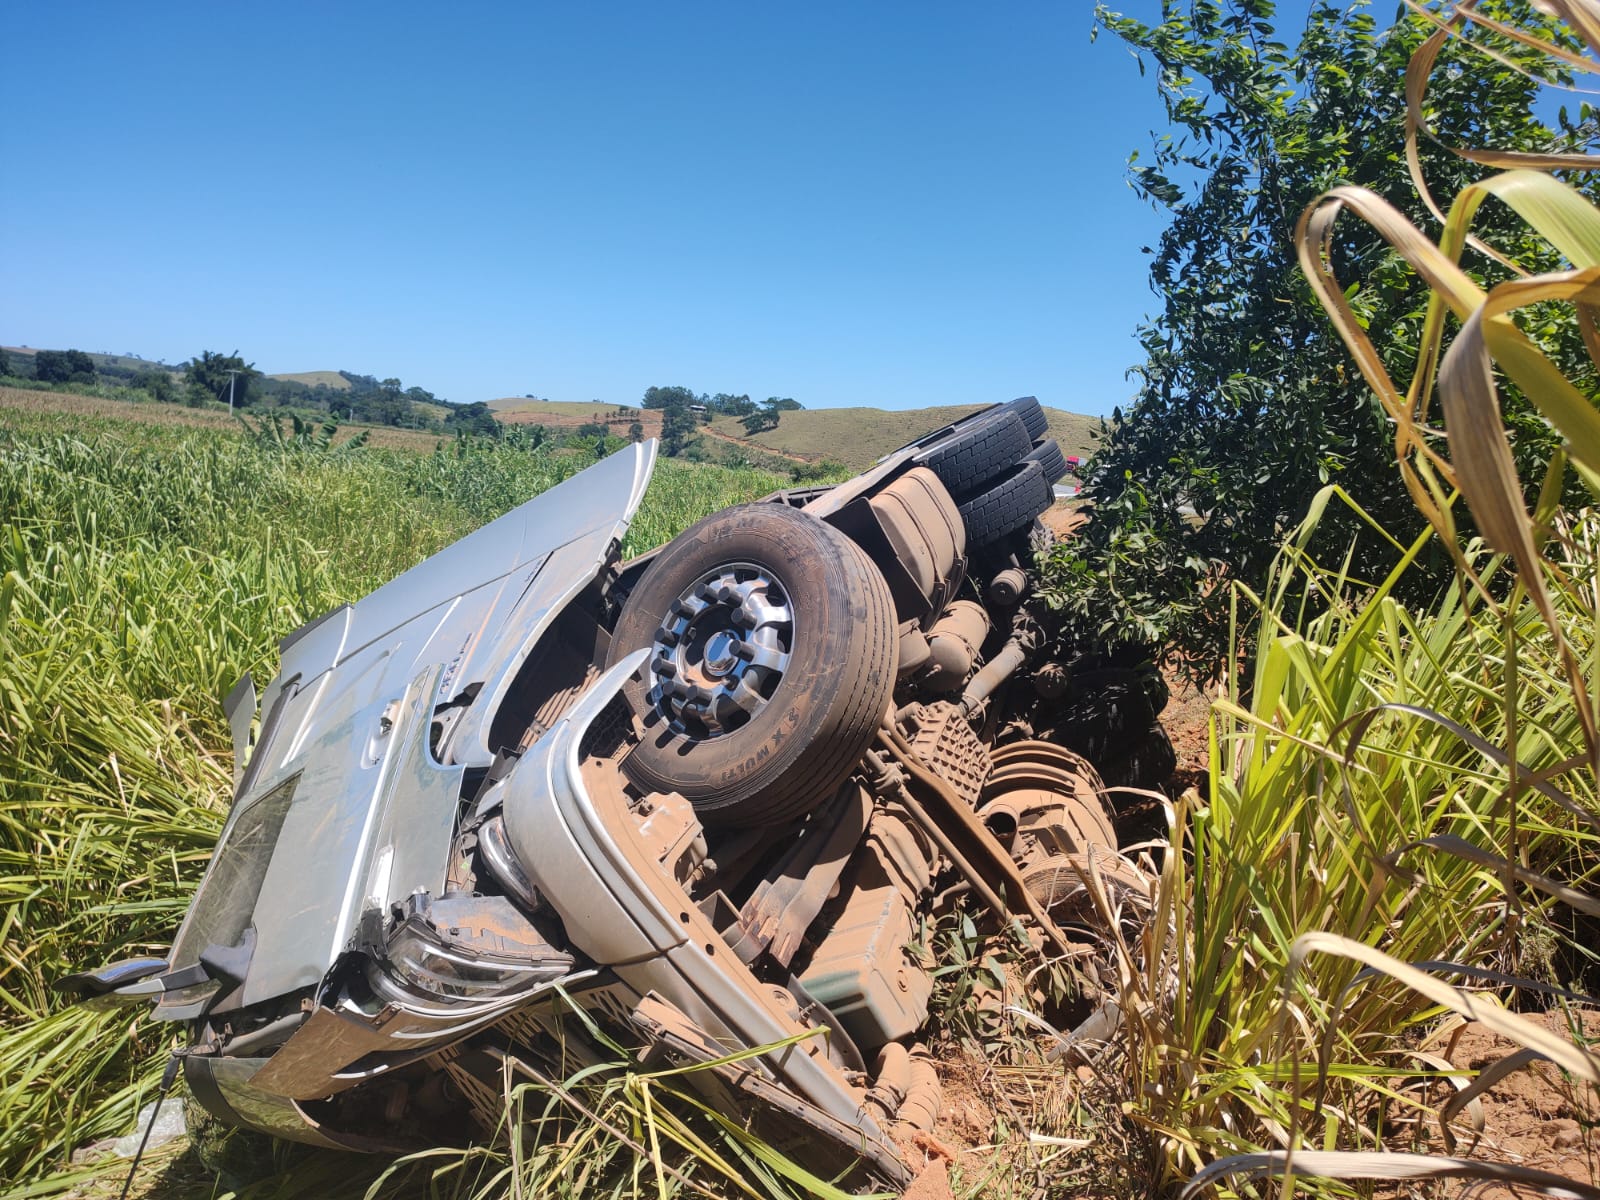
<point x="207" y="378"/>
<point x="636" y="432"/>
<point x="677" y="430"/>
<point x="63" y="366"/>
<point x="666" y="397"/>
<point x="157" y="383"/>
<point x="784" y="405"/>
<point x="383" y="407"/>
<point x="421" y="396"/>
<point x="5" y="364"/>
<point x="592" y="429"/>
<point x="766" y="417"/>
<point x="472" y="418"/>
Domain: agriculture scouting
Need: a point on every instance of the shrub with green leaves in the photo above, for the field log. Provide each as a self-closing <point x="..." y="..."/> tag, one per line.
<point x="1245" y="405"/>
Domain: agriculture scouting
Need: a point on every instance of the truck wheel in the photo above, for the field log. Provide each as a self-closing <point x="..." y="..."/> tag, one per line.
<point x="773" y="654"/>
<point x="1050" y="459"/>
<point x="977" y="451"/>
<point x="1007" y="505"/>
<point x="1027" y="408"/>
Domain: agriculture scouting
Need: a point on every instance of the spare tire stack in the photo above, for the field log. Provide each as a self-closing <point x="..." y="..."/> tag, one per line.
<point x="1000" y="466"/>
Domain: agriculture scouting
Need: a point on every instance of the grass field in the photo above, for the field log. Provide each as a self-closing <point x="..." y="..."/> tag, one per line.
<point x="23" y="410"/>
<point x="857" y="437"/>
<point x="328" y="379"/>
<point x="562" y="414"/>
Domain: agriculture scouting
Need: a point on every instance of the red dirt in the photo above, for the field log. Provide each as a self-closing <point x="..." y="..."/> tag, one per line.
<point x="1534" y="1117"/>
<point x="1186" y="719"/>
<point x="1063" y="521"/>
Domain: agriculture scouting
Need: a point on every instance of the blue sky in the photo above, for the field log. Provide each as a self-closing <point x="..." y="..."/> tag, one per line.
<point x="888" y="204"/>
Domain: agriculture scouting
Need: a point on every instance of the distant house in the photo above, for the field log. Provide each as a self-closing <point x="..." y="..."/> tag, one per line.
<point x="697" y="408"/>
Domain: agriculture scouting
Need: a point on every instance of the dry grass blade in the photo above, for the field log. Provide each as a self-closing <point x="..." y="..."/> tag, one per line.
<point x="1487" y="1078"/>
<point x="1561" y="215"/>
<point x="1509" y="1025"/>
<point x="1428" y="477"/>
<point x="1462" y="848"/>
<point x="1373" y="1164"/>
<point x="1511" y="33"/>
<point x="1582" y="15"/>
<point x="1479" y="450"/>
<point x="1496" y="337"/>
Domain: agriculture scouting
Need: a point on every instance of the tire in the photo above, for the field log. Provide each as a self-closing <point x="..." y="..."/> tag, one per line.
<point x="1009" y="505"/>
<point x="759" y="721"/>
<point x="977" y="451"/>
<point x="1033" y="418"/>
<point x="1050" y="459"/>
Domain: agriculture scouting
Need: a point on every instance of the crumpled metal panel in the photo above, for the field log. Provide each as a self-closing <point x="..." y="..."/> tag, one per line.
<point x="373" y="812"/>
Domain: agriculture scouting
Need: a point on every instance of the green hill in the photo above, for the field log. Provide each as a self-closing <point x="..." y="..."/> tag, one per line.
<point x="311" y="379"/>
<point x="113" y="368"/>
<point x="857" y="437"/>
<point x="564" y="414"/>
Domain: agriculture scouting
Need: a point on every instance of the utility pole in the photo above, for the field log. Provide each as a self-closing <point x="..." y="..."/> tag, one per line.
<point x="232" y="374"/>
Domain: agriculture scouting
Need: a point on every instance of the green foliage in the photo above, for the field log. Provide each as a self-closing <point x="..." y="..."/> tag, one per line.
<point x="157" y="383"/>
<point x="211" y="376"/>
<point x="63" y="366"/>
<point x="301" y="436"/>
<point x="678" y="429"/>
<point x="1245" y="406"/>
<point x="766" y="417"/>
<point x="758" y="421"/>
<point x="669" y="397"/>
<point x="733" y="406"/>
<point x="828" y="469"/>
<point x="683" y="411"/>
<point x="473" y="419"/>
<point x="375" y="402"/>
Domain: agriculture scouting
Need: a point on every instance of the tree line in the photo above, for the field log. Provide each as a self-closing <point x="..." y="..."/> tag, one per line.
<point x="683" y="411"/>
<point x="208" y="376"/>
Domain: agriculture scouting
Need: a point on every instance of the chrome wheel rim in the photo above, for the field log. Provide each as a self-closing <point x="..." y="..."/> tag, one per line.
<point x="721" y="651"/>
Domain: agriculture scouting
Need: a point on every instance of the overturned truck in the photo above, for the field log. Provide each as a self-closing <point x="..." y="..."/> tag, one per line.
<point x="707" y="797"/>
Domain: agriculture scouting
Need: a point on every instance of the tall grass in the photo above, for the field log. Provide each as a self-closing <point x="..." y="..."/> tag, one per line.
<point x="1359" y="787"/>
<point x="1403" y="810"/>
<point x="141" y="572"/>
